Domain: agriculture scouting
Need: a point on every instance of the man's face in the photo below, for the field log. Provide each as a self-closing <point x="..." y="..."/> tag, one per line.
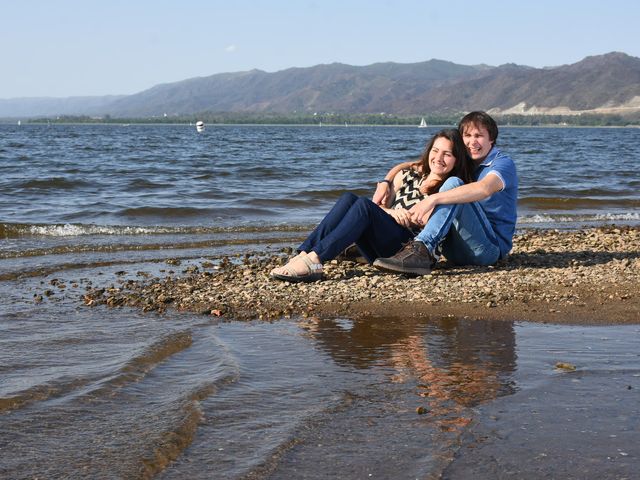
<point x="476" y="139"/>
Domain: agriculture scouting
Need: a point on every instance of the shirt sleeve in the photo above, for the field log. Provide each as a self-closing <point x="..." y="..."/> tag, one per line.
<point x="505" y="169"/>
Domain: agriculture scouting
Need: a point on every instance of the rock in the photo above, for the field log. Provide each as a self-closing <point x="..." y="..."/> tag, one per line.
<point x="567" y="367"/>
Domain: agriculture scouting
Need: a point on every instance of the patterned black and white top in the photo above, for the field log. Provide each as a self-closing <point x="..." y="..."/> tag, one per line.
<point x="409" y="193"/>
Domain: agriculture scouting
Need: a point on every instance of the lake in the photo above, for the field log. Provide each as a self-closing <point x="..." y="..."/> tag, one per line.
<point x="115" y="393"/>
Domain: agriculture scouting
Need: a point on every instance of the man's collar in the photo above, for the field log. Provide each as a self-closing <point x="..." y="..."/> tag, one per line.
<point x="488" y="160"/>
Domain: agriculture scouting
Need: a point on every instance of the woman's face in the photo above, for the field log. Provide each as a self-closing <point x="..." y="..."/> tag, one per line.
<point x="441" y="159"/>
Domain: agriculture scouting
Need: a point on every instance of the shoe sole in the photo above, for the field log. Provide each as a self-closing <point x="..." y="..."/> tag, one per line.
<point x="405" y="271"/>
<point x="314" y="277"/>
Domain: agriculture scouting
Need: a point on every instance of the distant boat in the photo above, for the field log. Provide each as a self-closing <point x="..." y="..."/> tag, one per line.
<point x="423" y="124"/>
<point x="19" y="122"/>
<point x="200" y="126"/>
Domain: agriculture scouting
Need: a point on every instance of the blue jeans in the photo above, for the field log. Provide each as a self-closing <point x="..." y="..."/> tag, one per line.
<point x="462" y="231"/>
<point x="356" y="220"/>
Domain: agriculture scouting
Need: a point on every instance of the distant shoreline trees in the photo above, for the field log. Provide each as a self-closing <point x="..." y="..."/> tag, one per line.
<point x="327" y="119"/>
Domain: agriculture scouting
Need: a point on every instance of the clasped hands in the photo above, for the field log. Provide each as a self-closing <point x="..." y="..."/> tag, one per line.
<point x="416" y="215"/>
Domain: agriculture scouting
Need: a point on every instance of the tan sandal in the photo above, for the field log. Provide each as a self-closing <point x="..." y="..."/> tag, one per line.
<point x="313" y="273"/>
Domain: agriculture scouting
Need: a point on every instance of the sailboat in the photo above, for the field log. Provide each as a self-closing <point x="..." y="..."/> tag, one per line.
<point x="423" y="124"/>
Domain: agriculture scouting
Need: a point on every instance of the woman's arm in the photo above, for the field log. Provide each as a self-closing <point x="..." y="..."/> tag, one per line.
<point x="402" y="216"/>
<point x="396" y="184"/>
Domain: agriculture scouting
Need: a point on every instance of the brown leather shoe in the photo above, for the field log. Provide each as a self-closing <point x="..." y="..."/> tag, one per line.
<point x="413" y="259"/>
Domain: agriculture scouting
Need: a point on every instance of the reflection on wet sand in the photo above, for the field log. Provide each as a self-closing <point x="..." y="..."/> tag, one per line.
<point x="454" y="364"/>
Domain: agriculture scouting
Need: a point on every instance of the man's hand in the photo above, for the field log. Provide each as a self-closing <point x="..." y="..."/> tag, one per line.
<point x="421" y="211"/>
<point x="381" y="195"/>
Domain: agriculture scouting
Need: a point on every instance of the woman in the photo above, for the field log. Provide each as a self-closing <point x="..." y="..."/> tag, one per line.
<point x="379" y="231"/>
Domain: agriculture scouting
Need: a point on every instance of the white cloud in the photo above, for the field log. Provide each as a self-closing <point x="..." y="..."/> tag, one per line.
<point x="230" y="48"/>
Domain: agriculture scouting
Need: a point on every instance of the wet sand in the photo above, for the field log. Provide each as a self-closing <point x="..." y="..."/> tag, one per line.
<point x="587" y="276"/>
<point x="567" y="423"/>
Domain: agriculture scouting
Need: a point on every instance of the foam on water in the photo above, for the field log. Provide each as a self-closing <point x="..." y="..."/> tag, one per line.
<point x="10" y="230"/>
<point x="596" y="217"/>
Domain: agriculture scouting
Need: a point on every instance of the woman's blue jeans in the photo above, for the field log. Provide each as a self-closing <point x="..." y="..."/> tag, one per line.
<point x="462" y="231"/>
<point x="356" y="220"/>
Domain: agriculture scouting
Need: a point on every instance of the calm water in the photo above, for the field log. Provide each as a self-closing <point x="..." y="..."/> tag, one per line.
<point x="112" y="393"/>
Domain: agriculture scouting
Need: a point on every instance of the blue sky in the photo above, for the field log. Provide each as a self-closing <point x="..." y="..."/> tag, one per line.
<point x="62" y="48"/>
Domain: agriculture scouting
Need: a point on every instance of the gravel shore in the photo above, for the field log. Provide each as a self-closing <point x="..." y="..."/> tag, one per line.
<point x="586" y="276"/>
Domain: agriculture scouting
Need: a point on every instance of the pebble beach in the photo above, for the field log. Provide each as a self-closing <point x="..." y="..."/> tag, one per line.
<point x="587" y="276"/>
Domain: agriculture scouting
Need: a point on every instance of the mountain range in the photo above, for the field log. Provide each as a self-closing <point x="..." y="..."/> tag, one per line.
<point x="605" y="84"/>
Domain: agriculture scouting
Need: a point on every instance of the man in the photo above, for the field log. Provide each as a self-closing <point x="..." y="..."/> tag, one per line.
<point x="471" y="224"/>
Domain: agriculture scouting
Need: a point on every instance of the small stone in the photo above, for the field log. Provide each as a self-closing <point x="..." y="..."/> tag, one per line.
<point x="567" y="367"/>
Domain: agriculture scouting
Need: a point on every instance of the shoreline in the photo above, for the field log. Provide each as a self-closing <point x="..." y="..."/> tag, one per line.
<point x="586" y="276"/>
<point x="11" y="122"/>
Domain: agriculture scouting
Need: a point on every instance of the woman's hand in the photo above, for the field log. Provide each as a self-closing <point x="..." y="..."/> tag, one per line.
<point x="401" y="216"/>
